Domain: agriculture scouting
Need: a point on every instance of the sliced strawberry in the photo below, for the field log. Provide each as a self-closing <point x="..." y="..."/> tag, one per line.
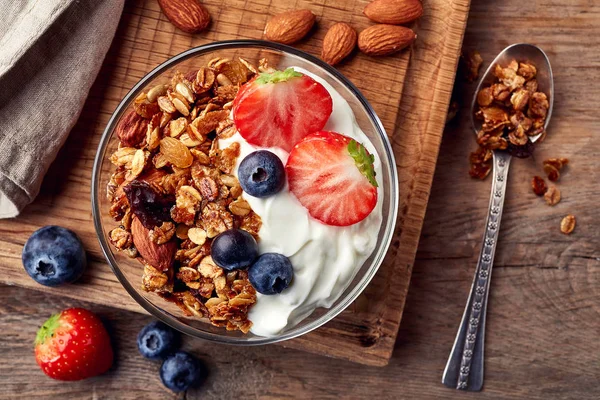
<point x="279" y="109"/>
<point x="333" y="177"/>
<point x="73" y="345"/>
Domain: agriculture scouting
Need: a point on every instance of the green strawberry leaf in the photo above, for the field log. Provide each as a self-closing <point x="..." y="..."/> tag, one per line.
<point x="47" y="330"/>
<point x="277" y="76"/>
<point x="363" y="160"/>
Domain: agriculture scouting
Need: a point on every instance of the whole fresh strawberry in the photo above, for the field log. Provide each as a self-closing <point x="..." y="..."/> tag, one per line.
<point x="333" y="176"/>
<point x="278" y="109"/>
<point x="73" y="345"/>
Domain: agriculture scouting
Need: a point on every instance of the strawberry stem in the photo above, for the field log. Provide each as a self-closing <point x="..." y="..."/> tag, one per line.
<point x="277" y="76"/>
<point x="47" y="330"/>
<point x="363" y="160"/>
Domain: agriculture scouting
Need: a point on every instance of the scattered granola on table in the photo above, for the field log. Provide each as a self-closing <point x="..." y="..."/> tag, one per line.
<point x="552" y="195"/>
<point x="539" y="185"/>
<point x="470" y="64"/>
<point x="552" y="167"/>
<point x="172" y="191"/>
<point x="511" y="110"/>
<point x="567" y="225"/>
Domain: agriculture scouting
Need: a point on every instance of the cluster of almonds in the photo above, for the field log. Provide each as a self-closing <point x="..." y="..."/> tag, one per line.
<point x="173" y="191"/>
<point x="382" y="39"/>
<point x="289" y="27"/>
<point x="512" y="111"/>
<point x="551" y="193"/>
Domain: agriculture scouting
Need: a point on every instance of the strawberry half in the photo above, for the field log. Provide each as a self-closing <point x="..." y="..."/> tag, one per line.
<point x="333" y="177"/>
<point x="73" y="345"/>
<point x="280" y="108"/>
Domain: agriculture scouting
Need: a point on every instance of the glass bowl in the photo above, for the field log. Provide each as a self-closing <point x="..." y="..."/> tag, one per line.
<point x="129" y="271"/>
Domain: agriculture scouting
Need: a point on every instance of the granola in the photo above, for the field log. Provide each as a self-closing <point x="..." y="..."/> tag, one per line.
<point x="552" y="167"/>
<point x="169" y="148"/>
<point x="539" y="185"/>
<point x="552" y="195"/>
<point x="567" y="224"/>
<point x="471" y="63"/>
<point x="512" y="110"/>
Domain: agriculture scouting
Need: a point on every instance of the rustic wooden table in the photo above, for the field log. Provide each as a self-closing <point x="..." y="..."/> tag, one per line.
<point x="544" y="313"/>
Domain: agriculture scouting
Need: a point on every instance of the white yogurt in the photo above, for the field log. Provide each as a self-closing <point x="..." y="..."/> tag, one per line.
<point x="325" y="258"/>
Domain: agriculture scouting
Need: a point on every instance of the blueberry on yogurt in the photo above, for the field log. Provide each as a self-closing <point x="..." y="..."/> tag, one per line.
<point x="54" y="255"/>
<point x="261" y="174"/>
<point x="271" y="273"/>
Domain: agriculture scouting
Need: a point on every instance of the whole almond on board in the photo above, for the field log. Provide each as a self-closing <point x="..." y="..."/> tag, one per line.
<point x="188" y="15"/>
<point x="160" y="256"/>
<point x="382" y="40"/>
<point x="290" y="26"/>
<point x="338" y="43"/>
<point x="394" y="12"/>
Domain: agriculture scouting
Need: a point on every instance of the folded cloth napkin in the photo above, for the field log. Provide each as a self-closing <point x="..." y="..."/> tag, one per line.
<point x="50" y="54"/>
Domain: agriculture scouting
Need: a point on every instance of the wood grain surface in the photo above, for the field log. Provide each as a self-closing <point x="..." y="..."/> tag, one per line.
<point x="544" y="310"/>
<point x="413" y="117"/>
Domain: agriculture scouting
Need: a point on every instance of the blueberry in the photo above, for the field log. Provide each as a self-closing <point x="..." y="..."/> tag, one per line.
<point x="157" y="340"/>
<point x="234" y="249"/>
<point x="54" y="255"/>
<point x="271" y="273"/>
<point x="261" y="174"/>
<point x="181" y="371"/>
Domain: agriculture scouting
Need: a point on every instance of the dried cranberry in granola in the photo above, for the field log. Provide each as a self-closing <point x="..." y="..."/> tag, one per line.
<point x="151" y="207"/>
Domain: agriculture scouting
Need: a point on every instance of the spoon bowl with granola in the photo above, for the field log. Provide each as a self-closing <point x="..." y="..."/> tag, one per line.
<point x="244" y="192"/>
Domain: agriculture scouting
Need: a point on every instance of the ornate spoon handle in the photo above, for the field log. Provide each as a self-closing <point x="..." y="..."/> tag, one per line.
<point x="464" y="369"/>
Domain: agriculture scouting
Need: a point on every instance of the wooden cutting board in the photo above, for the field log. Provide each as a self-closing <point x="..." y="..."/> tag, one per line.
<point x="409" y="91"/>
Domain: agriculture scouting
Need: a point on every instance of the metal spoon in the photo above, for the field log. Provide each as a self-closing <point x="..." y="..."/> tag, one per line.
<point x="464" y="369"/>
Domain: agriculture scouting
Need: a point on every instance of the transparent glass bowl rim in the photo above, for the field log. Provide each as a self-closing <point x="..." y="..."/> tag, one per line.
<point x="164" y="316"/>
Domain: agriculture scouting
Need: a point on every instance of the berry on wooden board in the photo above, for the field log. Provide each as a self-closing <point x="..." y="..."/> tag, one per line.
<point x="54" y="255"/>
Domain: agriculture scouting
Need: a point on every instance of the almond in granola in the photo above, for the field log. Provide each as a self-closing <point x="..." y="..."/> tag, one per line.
<point x="208" y="188"/>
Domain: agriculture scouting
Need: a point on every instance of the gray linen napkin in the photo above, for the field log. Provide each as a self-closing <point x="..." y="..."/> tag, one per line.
<point x="50" y="54"/>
